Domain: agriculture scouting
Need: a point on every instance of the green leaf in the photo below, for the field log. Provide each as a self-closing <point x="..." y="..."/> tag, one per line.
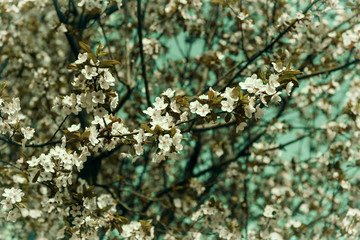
<point x="291" y="71"/>
<point x="99" y="48"/>
<point x="36" y="177"/>
<point x="86" y="47"/>
<point x="211" y="95"/>
<point x="158" y="130"/>
<point x="172" y="132"/>
<point x="108" y="63"/>
<point x="72" y="66"/>
<point x="132" y="150"/>
<point x="147" y="128"/>
<point x="101" y="54"/>
<point x="93" y="57"/>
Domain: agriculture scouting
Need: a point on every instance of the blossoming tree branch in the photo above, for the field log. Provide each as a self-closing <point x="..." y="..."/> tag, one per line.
<point x="179" y="119"/>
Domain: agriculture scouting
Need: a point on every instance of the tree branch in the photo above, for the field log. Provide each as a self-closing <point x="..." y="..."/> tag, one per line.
<point x="143" y="67"/>
<point x="329" y="70"/>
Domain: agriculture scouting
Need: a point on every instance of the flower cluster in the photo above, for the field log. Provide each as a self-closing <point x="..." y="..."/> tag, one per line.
<point x="57" y="165"/>
<point x="164" y="124"/>
<point x="138" y="230"/>
<point x="13" y="196"/>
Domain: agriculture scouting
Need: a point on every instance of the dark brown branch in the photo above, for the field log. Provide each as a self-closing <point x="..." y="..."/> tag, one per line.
<point x="192" y="161"/>
<point x="29" y="145"/>
<point x="73" y="44"/>
<point x="143" y="67"/>
<point x="329" y="70"/>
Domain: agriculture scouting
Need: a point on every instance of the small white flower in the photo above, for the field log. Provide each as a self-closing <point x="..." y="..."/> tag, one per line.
<point x="98" y="97"/>
<point x="7" y="203"/>
<point x="300" y="15"/>
<point x="74" y="127"/>
<point x="204" y="110"/>
<point x="13" y="194"/>
<point x="11" y="107"/>
<point x="276" y="97"/>
<point x="165" y="142"/>
<point x="114" y="102"/>
<point x="259" y="112"/>
<point x="82" y="57"/>
<point x="194" y="106"/>
<point x="100" y="112"/>
<point x="34" y="213"/>
<point x="89" y="72"/>
<point x="34" y="161"/>
<point x="95" y="64"/>
<point x="263" y="100"/>
<point x="48" y="165"/>
<point x="177" y="140"/>
<point x="13" y="215"/>
<point x="93" y="135"/>
<point x="227" y="105"/>
<point x="289" y="87"/>
<point x="106" y="80"/>
<point x="241" y="127"/>
<point x="228" y="94"/>
<point x="273" y="81"/>
<point x="69" y="100"/>
<point x="242" y="16"/>
<point x="293" y="223"/>
<point x="28" y="132"/>
<point x="269" y="211"/>
<point x="78" y="221"/>
<point x="160" y="103"/>
<point x="175" y="107"/>
<point x="62" y="28"/>
<point x="200" y="109"/>
<point x="249" y="109"/>
<point x="184" y="117"/>
<point x="253" y="84"/>
<point x="169" y="93"/>
<point x="278" y="66"/>
<point x="270" y="90"/>
<point x="129" y="230"/>
<point x="204" y="97"/>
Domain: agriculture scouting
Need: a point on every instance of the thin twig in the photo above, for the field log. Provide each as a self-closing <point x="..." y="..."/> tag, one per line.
<point x="327" y="71"/>
<point x="49" y="142"/>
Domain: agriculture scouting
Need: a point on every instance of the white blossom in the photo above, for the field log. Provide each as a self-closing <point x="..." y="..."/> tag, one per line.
<point x="227" y="105"/>
<point x="13" y="215"/>
<point x="98" y="97"/>
<point x="74" y="127"/>
<point x="241" y="127"/>
<point x="13" y="194"/>
<point x="82" y="57"/>
<point x="28" y="132"/>
<point x="289" y="87"/>
<point x="169" y="93"/>
<point x="270" y="211"/>
<point x="165" y="142"/>
<point x="278" y="66"/>
<point x="160" y="103"/>
<point x="89" y="72"/>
